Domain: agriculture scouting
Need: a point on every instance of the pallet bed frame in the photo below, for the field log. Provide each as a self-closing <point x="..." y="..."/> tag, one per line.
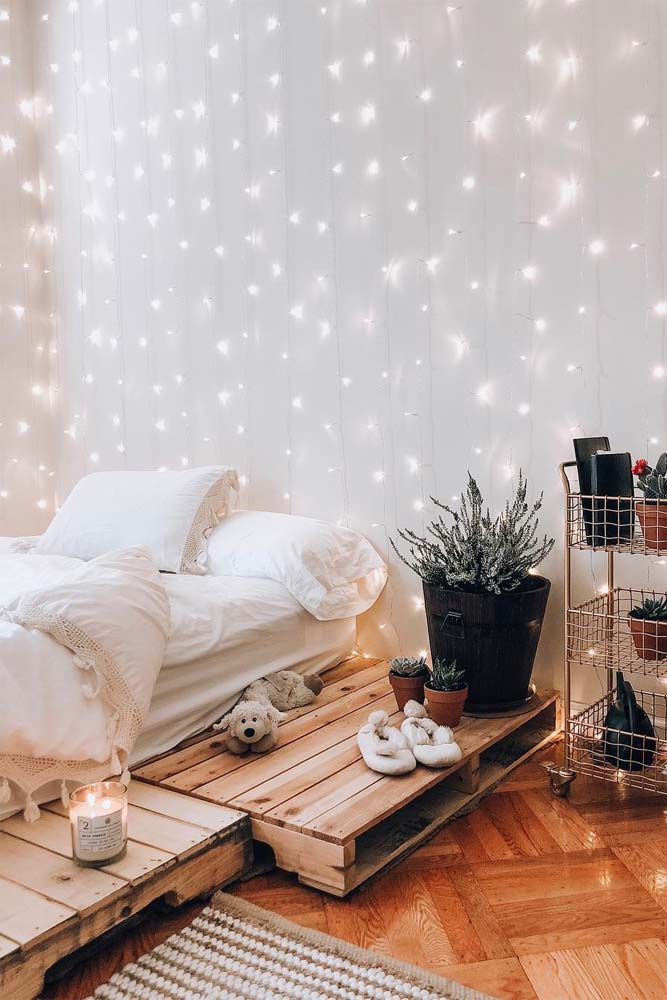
<point x="326" y="816"/>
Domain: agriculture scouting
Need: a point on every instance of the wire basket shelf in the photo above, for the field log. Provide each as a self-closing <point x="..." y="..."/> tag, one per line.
<point x="617" y="524"/>
<point x="600" y="632"/>
<point x="591" y="750"/>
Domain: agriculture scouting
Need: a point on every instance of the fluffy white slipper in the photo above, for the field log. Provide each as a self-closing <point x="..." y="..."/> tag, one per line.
<point x="431" y="744"/>
<point x="383" y="747"/>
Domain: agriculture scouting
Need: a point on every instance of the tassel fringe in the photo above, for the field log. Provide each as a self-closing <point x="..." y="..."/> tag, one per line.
<point x="31" y="811"/>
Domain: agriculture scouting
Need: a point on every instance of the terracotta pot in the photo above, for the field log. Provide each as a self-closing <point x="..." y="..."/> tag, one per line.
<point x="407" y="689"/>
<point x="650" y="638"/>
<point x="446" y="707"/>
<point x="652" y="516"/>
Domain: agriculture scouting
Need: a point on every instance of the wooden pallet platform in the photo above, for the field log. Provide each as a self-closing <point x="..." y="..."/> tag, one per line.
<point x="313" y="800"/>
<point x="180" y="848"/>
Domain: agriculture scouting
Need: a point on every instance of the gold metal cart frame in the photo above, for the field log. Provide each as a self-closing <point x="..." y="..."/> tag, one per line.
<point x="602" y="631"/>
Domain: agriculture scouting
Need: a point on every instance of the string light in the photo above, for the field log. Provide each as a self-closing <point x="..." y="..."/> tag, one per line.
<point x="223" y="258"/>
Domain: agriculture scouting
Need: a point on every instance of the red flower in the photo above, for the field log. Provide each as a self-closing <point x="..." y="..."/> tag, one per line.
<point x="640" y="467"/>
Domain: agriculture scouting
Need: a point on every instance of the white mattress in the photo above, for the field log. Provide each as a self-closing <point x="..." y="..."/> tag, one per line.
<point x="226" y="632"/>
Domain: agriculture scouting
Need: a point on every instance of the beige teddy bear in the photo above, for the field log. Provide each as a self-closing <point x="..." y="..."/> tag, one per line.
<point x="251" y="726"/>
<point x="284" y="690"/>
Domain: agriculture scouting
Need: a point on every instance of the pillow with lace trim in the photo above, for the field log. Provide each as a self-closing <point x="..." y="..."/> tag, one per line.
<point x="169" y="513"/>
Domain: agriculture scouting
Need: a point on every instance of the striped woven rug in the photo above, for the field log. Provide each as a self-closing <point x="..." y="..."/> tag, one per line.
<point x="236" y="951"/>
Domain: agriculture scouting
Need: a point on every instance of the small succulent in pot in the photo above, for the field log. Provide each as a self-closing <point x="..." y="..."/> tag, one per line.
<point x="652" y="510"/>
<point x="408" y="666"/>
<point x="446" y="691"/>
<point x="648" y="625"/>
<point x="406" y="676"/>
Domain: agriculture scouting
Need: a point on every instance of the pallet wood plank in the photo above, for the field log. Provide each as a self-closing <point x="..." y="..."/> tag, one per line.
<point x="349" y="666"/>
<point x="209" y="815"/>
<point x="263" y="798"/>
<point x="56" y="877"/>
<point x="7" y="947"/>
<point x="27" y="916"/>
<point x="299" y="812"/>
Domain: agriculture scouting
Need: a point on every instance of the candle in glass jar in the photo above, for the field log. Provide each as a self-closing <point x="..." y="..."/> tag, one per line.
<point x="98" y="821"/>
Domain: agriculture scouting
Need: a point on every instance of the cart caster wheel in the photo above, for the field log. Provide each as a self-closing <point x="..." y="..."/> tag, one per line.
<point x="560" y="779"/>
<point x="561" y="790"/>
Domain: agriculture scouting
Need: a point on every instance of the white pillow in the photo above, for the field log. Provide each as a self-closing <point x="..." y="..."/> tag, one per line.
<point x="332" y="572"/>
<point x="169" y="513"/>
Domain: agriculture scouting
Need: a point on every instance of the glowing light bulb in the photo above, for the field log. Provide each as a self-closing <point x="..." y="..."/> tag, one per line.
<point x="533" y="54"/>
<point x="596" y="247"/>
<point x="468" y="182"/>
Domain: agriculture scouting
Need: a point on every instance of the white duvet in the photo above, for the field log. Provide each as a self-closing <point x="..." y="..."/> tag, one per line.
<point x="81" y="645"/>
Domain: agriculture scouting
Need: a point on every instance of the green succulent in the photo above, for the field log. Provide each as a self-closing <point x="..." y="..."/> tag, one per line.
<point x="651" y="609"/>
<point x="408" y="666"/>
<point x="474" y="552"/>
<point x="446" y="676"/>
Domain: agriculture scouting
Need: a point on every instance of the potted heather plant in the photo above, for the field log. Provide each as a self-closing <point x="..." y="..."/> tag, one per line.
<point x="484" y="607"/>
<point x="446" y="692"/>
<point x="407" y="676"/>
<point x="648" y="625"/>
<point x="652" y="510"/>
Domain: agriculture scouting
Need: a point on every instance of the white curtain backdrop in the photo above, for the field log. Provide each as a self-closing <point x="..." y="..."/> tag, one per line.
<point x="352" y="248"/>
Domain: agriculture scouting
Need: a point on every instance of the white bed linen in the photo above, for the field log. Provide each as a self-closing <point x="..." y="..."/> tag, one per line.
<point x="225" y="633"/>
<point x="79" y="655"/>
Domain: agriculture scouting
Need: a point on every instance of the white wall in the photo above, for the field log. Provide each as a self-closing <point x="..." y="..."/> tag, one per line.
<point x="26" y="276"/>
<point x="409" y="198"/>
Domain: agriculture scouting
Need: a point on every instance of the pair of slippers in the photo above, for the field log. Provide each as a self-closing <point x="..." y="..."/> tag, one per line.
<point x="419" y="740"/>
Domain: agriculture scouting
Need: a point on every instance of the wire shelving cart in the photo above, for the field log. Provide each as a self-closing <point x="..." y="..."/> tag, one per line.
<point x="600" y="631"/>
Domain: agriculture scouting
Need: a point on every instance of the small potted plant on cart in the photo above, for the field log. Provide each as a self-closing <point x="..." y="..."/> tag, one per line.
<point x="652" y="510"/>
<point x="407" y="675"/>
<point x="648" y="626"/>
<point x="446" y="692"/>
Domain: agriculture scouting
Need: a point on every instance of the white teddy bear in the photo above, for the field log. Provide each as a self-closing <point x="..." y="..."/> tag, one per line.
<point x="251" y="726"/>
<point x="284" y="690"/>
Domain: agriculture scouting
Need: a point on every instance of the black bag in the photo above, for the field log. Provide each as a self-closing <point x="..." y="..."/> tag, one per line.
<point x="629" y="737"/>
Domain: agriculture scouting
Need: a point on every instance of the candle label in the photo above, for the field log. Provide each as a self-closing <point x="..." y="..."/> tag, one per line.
<point x="100" y="834"/>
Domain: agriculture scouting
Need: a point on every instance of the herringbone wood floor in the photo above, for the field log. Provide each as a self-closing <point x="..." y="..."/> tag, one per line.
<point x="528" y="896"/>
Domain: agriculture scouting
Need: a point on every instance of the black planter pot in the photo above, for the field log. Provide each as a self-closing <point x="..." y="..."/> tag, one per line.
<point x="493" y="637"/>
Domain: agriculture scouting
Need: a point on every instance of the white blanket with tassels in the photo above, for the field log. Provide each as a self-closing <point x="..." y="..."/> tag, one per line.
<point x="81" y="645"/>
